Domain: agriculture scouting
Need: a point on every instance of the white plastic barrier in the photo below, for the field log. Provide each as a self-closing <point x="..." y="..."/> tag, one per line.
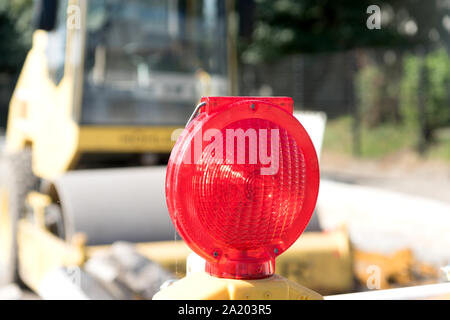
<point x="386" y="221"/>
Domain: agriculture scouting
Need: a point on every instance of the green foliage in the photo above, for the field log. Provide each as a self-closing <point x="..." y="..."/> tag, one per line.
<point x="15" y="33"/>
<point x="20" y="13"/>
<point x="409" y="88"/>
<point x="369" y="81"/>
<point x="312" y="26"/>
<point x="435" y="87"/>
<point x="376" y="90"/>
<point x="379" y="92"/>
<point x="440" y="148"/>
<point x="10" y="49"/>
<point x="338" y="135"/>
<point x="377" y="142"/>
<point x="386" y="139"/>
<point x="438" y="89"/>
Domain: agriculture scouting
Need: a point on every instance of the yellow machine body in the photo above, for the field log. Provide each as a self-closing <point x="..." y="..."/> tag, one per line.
<point x="212" y="288"/>
<point x="46" y="115"/>
<point x="321" y="261"/>
<point x="318" y="260"/>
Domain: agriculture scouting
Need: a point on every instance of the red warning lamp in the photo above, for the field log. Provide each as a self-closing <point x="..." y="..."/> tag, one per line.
<point x="242" y="183"/>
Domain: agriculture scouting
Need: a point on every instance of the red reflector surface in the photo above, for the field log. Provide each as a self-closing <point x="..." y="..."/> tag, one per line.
<point x="225" y="209"/>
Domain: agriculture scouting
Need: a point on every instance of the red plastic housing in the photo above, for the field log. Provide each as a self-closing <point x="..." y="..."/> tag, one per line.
<point x="242" y="183"/>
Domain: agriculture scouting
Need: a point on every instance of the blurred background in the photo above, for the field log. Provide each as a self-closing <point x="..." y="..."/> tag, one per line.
<point x="377" y="71"/>
<point x="385" y="91"/>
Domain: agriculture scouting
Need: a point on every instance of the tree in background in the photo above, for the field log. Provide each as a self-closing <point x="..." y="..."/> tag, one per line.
<point x="384" y="91"/>
<point x="15" y="40"/>
<point x="15" y="34"/>
<point x="429" y="75"/>
<point x="314" y="26"/>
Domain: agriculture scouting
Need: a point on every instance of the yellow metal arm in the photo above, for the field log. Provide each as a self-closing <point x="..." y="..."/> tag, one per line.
<point x="201" y="286"/>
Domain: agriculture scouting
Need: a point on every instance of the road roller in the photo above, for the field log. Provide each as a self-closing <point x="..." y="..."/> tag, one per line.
<point x="97" y="107"/>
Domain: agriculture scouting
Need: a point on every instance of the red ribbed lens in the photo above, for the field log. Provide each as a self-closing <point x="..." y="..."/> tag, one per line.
<point x="229" y="207"/>
<point x="239" y="207"/>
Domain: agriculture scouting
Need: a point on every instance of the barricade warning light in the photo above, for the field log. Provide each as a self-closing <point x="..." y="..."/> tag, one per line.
<point x="242" y="183"/>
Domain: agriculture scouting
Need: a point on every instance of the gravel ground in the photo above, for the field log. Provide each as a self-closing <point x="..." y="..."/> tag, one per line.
<point x="402" y="172"/>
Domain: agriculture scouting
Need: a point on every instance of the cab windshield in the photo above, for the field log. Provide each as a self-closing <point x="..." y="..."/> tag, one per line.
<point x="147" y="62"/>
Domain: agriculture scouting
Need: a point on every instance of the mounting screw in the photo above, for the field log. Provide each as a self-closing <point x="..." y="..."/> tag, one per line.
<point x="275" y="250"/>
<point x="253" y="107"/>
<point x="215" y="254"/>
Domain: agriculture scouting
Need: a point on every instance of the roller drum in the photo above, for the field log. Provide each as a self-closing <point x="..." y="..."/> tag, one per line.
<point x="111" y="205"/>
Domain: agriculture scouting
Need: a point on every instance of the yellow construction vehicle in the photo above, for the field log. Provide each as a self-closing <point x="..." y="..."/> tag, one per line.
<point x="101" y="96"/>
<point x="105" y="84"/>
